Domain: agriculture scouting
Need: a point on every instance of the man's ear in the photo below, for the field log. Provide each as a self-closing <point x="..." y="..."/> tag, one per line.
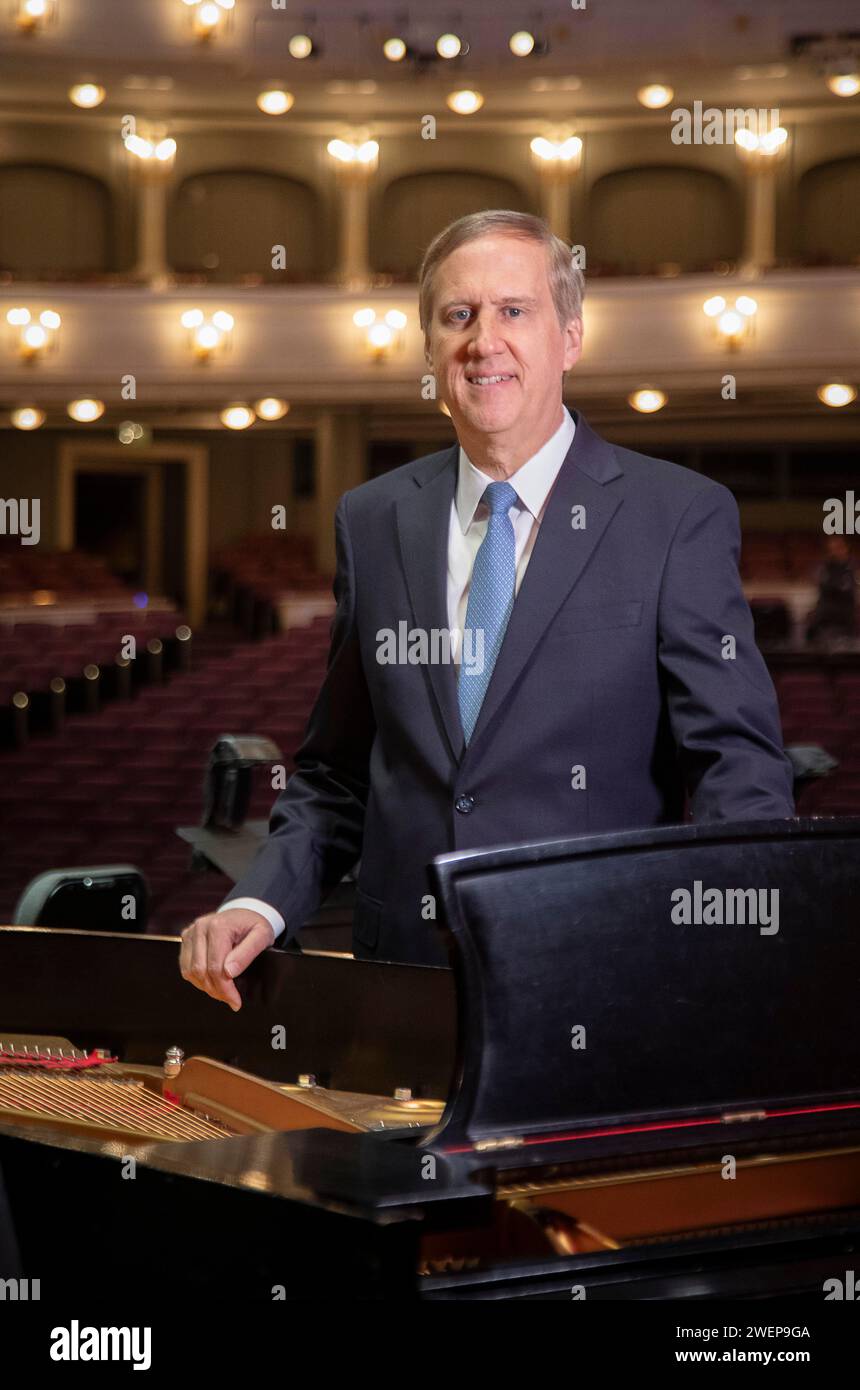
<point x="572" y="343"/>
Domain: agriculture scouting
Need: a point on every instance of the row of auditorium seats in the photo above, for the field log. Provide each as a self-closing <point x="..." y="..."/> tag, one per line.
<point x="823" y="707"/>
<point x="270" y="564"/>
<point x="791" y="556"/>
<point x="60" y="576"/>
<point x="112" y="788"/>
<point x="32" y="654"/>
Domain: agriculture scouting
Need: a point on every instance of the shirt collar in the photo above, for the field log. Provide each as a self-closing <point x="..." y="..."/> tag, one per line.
<point x="533" y="480"/>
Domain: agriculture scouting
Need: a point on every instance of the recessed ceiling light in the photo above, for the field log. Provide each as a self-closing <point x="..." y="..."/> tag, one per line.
<point x="465" y="102"/>
<point x="87" y="95"/>
<point x="647" y="400"/>
<point x="275" y="101"/>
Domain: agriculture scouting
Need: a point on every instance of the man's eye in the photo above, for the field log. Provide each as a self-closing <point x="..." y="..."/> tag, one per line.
<point x="514" y="309"/>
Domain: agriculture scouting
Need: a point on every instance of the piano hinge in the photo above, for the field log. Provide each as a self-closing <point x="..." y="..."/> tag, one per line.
<point x="487" y="1145"/>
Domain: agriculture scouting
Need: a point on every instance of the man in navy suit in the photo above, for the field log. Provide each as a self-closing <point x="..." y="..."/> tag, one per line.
<point x="537" y="635"/>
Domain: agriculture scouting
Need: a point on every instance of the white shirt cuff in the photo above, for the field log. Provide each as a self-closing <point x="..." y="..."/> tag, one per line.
<point x="271" y="914"/>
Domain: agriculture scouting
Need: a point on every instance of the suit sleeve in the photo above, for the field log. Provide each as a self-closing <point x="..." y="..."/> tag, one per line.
<point x="317" y="822"/>
<point x="721" y="700"/>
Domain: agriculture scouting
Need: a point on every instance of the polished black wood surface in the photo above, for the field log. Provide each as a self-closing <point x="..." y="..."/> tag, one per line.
<point x="355" y="1025"/>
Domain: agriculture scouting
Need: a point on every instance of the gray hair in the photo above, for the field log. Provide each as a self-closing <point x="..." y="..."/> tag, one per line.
<point x="566" y="280"/>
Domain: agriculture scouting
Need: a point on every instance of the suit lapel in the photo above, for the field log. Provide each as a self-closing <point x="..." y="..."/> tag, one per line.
<point x="423" y="519"/>
<point x="558" y="559"/>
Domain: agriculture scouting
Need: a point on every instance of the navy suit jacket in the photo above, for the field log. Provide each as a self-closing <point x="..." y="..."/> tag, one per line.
<point x="615" y="692"/>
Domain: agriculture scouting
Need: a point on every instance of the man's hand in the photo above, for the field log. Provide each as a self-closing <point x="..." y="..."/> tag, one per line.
<point x="218" y="947"/>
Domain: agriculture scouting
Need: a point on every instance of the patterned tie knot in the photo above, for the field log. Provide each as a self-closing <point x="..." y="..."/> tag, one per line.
<point x="499" y="497"/>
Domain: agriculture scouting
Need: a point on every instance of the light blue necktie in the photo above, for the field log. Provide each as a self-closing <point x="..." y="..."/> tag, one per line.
<point x="491" y="598"/>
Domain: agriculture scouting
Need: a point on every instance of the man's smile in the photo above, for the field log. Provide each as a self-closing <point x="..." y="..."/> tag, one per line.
<point x="485" y="382"/>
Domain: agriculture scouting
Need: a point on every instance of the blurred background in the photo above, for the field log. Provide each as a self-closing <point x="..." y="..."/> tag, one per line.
<point x="211" y="220"/>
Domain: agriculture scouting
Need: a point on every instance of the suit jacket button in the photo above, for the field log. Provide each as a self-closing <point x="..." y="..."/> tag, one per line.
<point x="464" y="804"/>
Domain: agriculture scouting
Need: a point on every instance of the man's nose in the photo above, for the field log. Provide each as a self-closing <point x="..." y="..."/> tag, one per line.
<point x="484" y="339"/>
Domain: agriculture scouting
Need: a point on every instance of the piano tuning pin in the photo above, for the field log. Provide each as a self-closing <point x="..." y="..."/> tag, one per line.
<point x="173" y="1060"/>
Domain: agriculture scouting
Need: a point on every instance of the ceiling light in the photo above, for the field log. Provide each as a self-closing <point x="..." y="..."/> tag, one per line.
<point x="465" y="102"/>
<point x="275" y="101"/>
<point x="237" y="417"/>
<point x="448" y="45"/>
<point x="521" y="43"/>
<point x="301" y="46"/>
<point x="28" y="417"/>
<point x="654" y="95"/>
<point x="33" y="14"/>
<point x="86" y="410"/>
<point x="394" y="50"/>
<point x="271" y="408"/>
<point x="836" y="393"/>
<point x="87" y="95"/>
<point x="647" y="400"/>
<point x="844" y="84"/>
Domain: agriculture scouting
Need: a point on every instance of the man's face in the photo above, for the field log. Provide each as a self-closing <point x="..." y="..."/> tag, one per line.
<point x="493" y="315"/>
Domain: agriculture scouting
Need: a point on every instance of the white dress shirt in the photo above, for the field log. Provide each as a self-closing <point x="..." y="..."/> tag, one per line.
<point x="533" y="482"/>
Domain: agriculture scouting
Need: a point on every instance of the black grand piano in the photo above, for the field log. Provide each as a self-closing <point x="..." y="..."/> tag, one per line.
<point x="640" y="1080"/>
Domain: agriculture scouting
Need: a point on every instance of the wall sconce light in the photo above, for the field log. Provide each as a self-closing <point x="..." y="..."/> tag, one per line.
<point x="731" y="325"/>
<point x="34" y="337"/>
<point x="153" y="149"/>
<point x="209" y="17"/>
<point x="647" y="400"/>
<point x="32" y="16"/>
<point x="363" y="154"/>
<point x="557" y="154"/>
<point x="761" y="148"/>
<point x="208" y="336"/>
<point x="384" y="336"/>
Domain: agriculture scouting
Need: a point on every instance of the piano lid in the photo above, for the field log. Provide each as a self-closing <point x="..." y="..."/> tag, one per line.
<point x="653" y="977"/>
